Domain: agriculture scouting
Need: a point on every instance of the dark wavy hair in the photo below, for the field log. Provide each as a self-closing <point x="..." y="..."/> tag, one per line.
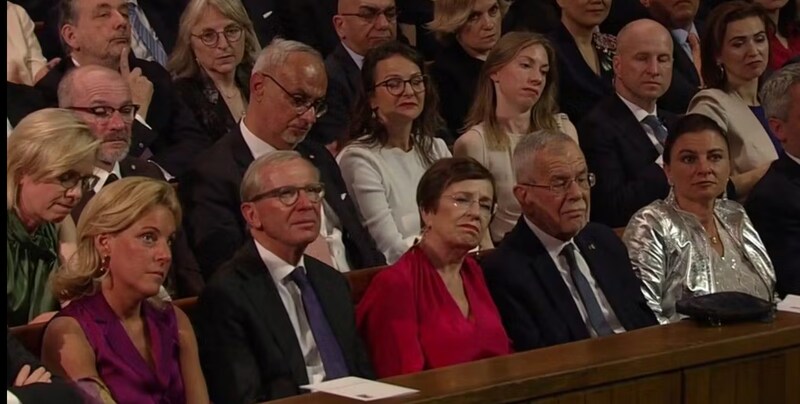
<point x="691" y="123"/>
<point x="448" y="171"/>
<point x="714" y="35"/>
<point x="365" y="128"/>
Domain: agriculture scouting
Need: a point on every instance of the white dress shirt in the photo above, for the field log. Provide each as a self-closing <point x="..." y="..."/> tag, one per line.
<point x="640" y="114"/>
<point x="103" y="176"/>
<point x="554" y="247"/>
<point x="330" y="226"/>
<point x="795" y="159"/>
<point x="292" y="300"/>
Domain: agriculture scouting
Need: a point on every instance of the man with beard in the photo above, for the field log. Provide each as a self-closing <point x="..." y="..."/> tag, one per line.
<point x="102" y="98"/>
<point x="98" y="32"/>
<point x="287" y="87"/>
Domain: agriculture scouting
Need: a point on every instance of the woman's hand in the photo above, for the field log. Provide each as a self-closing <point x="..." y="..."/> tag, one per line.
<point x="26" y="377"/>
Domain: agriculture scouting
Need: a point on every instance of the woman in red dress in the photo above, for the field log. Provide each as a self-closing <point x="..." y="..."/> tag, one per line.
<point x="432" y="308"/>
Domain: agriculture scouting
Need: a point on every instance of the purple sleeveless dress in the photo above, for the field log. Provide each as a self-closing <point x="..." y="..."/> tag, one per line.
<point x="124" y="371"/>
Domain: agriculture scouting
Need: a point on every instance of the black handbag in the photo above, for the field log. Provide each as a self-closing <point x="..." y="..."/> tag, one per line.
<point x="726" y="307"/>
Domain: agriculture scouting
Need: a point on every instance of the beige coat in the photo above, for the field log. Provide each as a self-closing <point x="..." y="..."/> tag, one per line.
<point x="24" y="55"/>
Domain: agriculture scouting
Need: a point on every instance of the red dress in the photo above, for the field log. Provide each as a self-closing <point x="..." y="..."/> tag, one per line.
<point x="778" y="54"/>
<point x="411" y="323"/>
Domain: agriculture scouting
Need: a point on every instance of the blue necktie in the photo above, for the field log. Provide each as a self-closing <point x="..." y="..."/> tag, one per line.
<point x="658" y="130"/>
<point x="329" y="349"/>
<point x="593" y="311"/>
<point x="147" y="37"/>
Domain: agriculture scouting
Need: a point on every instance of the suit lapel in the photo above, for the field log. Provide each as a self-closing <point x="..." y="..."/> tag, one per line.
<point x="545" y="270"/>
<point x="606" y="279"/>
<point x="630" y="128"/>
<point x="684" y="65"/>
<point x="350" y="67"/>
<point x="240" y="152"/>
<point x="263" y="295"/>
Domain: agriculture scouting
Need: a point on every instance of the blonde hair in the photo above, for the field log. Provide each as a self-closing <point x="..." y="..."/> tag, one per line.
<point x="182" y="62"/>
<point x="115" y="208"/>
<point x="483" y="109"/>
<point x="46" y="143"/>
<point x="450" y="15"/>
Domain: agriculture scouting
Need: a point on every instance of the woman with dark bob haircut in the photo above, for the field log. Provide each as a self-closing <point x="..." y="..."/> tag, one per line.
<point x="432" y="308"/>
<point x="693" y="242"/>
<point x="391" y="145"/>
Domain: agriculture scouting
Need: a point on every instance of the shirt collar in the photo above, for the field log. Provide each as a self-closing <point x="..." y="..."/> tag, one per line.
<point x="277" y="267"/>
<point x="638" y="112"/>
<point x="355" y="56"/>
<point x="682" y="34"/>
<point x="257" y="146"/>
<point x="553" y="245"/>
<point x="103" y="175"/>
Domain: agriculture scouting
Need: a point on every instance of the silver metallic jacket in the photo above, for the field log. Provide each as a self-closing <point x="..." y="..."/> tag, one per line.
<point x="669" y="252"/>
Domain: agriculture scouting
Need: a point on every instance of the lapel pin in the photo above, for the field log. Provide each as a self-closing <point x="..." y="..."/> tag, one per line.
<point x="591" y="246"/>
<point x="344" y="196"/>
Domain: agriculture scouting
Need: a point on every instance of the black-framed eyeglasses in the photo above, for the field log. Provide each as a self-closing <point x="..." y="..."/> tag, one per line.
<point x="71" y="179"/>
<point x="397" y="86"/>
<point x="127" y="112"/>
<point x="370" y="14"/>
<point x="560" y="186"/>
<point x="465" y="203"/>
<point x="289" y="195"/>
<point x="301" y="103"/>
<point x="209" y="37"/>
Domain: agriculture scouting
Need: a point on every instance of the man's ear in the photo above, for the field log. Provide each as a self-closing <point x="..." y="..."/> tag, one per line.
<point x="250" y="215"/>
<point x="776" y="125"/>
<point x="69" y="36"/>
<point x="338" y="25"/>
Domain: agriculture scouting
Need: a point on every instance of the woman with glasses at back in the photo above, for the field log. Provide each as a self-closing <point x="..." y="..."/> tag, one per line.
<point x="212" y="60"/>
<point x="50" y="159"/>
<point x="391" y="145"/>
<point x="432" y="308"/>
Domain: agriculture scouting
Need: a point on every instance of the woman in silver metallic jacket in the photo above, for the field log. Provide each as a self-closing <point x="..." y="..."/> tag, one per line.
<point x="694" y="243"/>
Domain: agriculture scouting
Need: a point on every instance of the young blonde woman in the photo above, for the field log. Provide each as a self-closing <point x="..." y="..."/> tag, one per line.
<point x="516" y="95"/>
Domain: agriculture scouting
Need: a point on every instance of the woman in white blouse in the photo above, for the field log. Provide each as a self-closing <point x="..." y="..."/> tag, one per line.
<point x="516" y="96"/>
<point x="391" y="145"/>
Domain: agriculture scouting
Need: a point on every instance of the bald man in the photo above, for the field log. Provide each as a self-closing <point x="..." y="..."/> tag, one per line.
<point x="623" y="136"/>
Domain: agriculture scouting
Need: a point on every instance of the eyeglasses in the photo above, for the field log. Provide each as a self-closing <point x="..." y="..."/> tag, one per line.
<point x="397" y="86"/>
<point x="288" y="195"/>
<point x="560" y="186"/>
<point x="370" y="15"/>
<point x="301" y="103"/>
<point x="210" y="38"/>
<point x="127" y="112"/>
<point x="70" y="179"/>
<point x="476" y="15"/>
<point x="465" y="203"/>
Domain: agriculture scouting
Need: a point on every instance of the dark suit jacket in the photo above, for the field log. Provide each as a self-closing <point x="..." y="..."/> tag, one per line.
<point x="248" y="348"/>
<point x="774" y="209"/>
<point x="540" y="16"/>
<point x="622" y="12"/>
<point x="21" y="100"/>
<point x="210" y="196"/>
<point x="621" y="155"/>
<point x="344" y="87"/>
<point x="455" y="74"/>
<point x="175" y="138"/>
<point x="311" y="22"/>
<point x="272" y="25"/>
<point x="184" y="278"/>
<point x="57" y="391"/>
<point x="579" y="88"/>
<point x="534" y="302"/>
<point x="208" y="106"/>
<point x="685" y="80"/>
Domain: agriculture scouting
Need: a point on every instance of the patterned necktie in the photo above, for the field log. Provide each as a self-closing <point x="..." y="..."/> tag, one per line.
<point x="593" y="310"/>
<point x="694" y="45"/>
<point x="147" y="37"/>
<point x="329" y="349"/>
<point x="659" y="131"/>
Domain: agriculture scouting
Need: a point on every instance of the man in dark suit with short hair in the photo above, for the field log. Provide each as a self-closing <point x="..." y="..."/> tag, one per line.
<point x="622" y="137"/>
<point x="678" y="16"/>
<point x="361" y="25"/>
<point x="274" y="121"/>
<point x="273" y="319"/>
<point x="557" y="278"/>
<point x="165" y="131"/>
<point x="774" y="203"/>
<point x="102" y="98"/>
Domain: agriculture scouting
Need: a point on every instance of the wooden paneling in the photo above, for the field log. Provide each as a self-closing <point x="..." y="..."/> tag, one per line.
<point x="660" y="389"/>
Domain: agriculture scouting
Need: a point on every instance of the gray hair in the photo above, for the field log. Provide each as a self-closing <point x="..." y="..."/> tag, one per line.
<point x="276" y="53"/>
<point x="774" y="93"/>
<point x="530" y="145"/>
<point x="252" y="183"/>
<point x="67" y="84"/>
